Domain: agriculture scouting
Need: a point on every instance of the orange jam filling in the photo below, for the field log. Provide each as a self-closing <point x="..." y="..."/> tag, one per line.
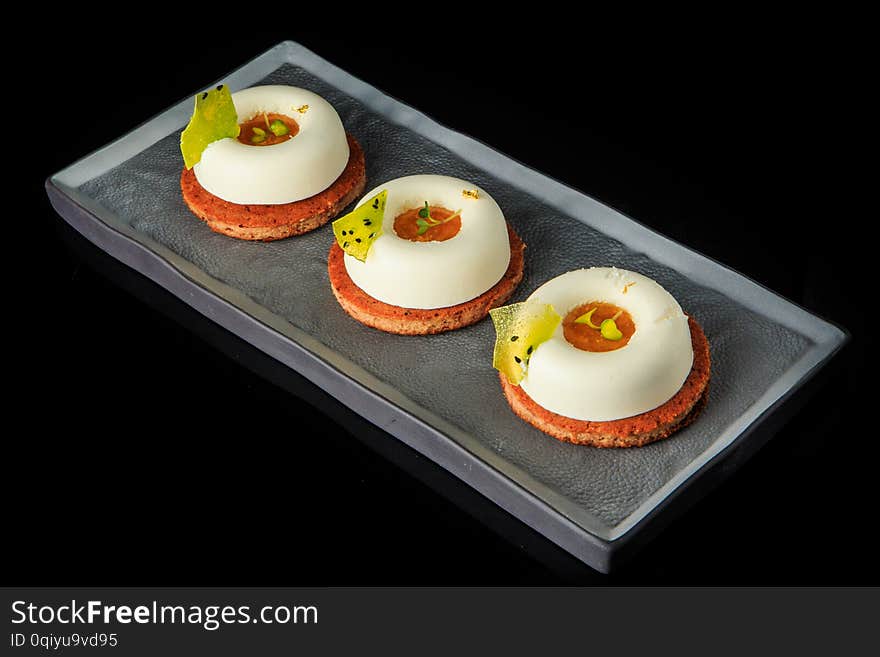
<point x="406" y="225"/>
<point x="585" y="337"/>
<point x="258" y="130"/>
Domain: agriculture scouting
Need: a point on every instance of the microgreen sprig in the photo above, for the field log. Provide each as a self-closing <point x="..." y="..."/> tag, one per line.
<point x="608" y="327"/>
<point x="426" y="221"/>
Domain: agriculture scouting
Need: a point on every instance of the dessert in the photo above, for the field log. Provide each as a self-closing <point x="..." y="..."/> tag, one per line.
<point x="424" y="254"/>
<point x="603" y="357"/>
<point x="268" y="162"/>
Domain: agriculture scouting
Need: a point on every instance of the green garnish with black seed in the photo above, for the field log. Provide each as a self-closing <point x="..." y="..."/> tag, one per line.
<point x="356" y="231"/>
<point x="213" y="118"/>
<point x="520" y="328"/>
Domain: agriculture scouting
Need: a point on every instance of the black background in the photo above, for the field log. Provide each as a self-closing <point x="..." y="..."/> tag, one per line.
<point x="144" y="450"/>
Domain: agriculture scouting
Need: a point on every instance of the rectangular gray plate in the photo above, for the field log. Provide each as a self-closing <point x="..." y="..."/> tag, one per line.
<point x="439" y="394"/>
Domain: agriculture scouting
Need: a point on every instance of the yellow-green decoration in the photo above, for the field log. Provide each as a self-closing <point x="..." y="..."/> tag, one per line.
<point x="519" y="330"/>
<point x="214" y="118"/>
<point x="356" y="231"/>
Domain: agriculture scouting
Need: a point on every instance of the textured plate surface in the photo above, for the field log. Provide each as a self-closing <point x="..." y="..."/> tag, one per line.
<point x="440" y="394"/>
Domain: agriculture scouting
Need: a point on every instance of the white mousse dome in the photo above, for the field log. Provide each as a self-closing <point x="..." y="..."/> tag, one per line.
<point x="409" y="274"/>
<point x="289" y="171"/>
<point x="600" y="386"/>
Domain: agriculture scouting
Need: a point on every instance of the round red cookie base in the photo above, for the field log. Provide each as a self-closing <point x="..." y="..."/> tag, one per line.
<point x="417" y="321"/>
<point x="634" y="431"/>
<point x="274" y="222"/>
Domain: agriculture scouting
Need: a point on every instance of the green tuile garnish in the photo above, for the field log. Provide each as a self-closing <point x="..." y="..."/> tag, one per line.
<point x="586" y="318"/>
<point x="356" y="231"/>
<point x="519" y="329"/>
<point x="610" y="331"/>
<point x="426" y="221"/>
<point x="213" y="118"/>
<point x="278" y="128"/>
